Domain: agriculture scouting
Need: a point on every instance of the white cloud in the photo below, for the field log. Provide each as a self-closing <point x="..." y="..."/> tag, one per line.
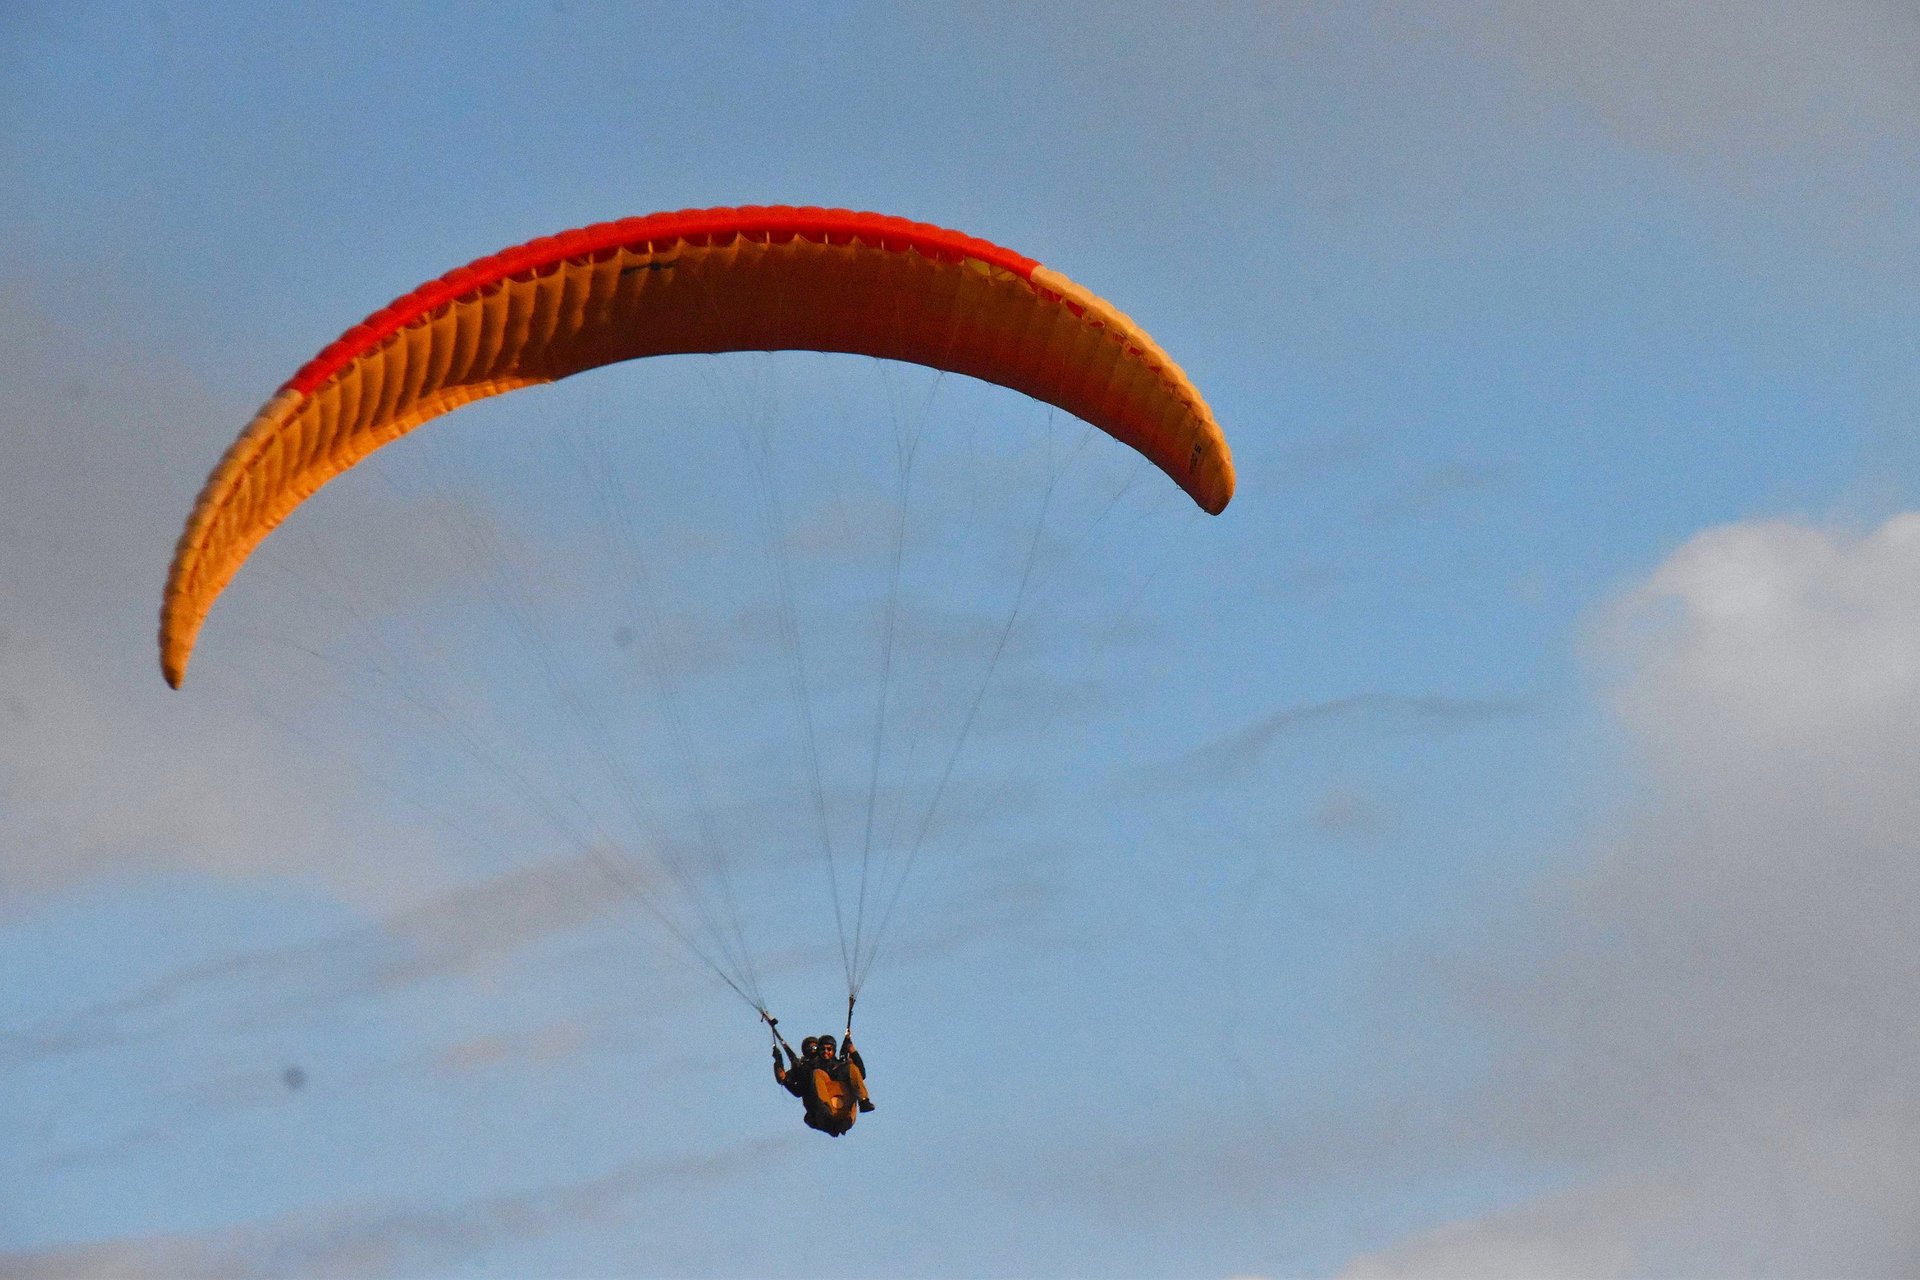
<point x="1570" y="1237"/>
<point x="1713" y="1023"/>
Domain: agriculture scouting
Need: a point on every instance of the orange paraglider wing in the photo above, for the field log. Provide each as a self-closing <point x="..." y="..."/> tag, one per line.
<point x="706" y="280"/>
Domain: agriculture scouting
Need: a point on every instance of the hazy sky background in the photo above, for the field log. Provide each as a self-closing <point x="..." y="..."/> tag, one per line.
<point x="1486" y="849"/>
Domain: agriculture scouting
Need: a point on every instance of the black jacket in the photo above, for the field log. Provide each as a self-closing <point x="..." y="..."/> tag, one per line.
<point x="796" y="1077"/>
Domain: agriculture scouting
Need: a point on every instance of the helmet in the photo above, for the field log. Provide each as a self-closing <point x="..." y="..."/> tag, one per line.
<point x="808" y="1045"/>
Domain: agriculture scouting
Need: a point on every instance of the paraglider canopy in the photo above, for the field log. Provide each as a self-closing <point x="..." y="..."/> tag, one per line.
<point x="712" y="280"/>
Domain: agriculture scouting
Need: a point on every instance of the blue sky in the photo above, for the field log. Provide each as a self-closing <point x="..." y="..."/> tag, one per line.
<point x="1486" y="848"/>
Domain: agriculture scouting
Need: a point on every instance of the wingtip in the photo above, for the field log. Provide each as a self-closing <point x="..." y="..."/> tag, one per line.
<point x="1220" y="493"/>
<point x="173" y="665"/>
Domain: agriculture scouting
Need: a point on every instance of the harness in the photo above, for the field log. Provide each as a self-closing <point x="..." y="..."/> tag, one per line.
<point x="828" y="1097"/>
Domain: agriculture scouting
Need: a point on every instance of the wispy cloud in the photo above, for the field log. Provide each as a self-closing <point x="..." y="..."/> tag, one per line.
<point x="1234" y="757"/>
<point x="380" y="1240"/>
<point x="1350" y="814"/>
<point x="1433" y="492"/>
<point x="102" y="767"/>
<point x="453" y="934"/>
<point x="1723" y="79"/>
<point x="553" y="1042"/>
<point x="1807" y="110"/>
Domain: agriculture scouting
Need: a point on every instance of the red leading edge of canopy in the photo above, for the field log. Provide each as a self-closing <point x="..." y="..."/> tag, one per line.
<point x="778" y="223"/>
